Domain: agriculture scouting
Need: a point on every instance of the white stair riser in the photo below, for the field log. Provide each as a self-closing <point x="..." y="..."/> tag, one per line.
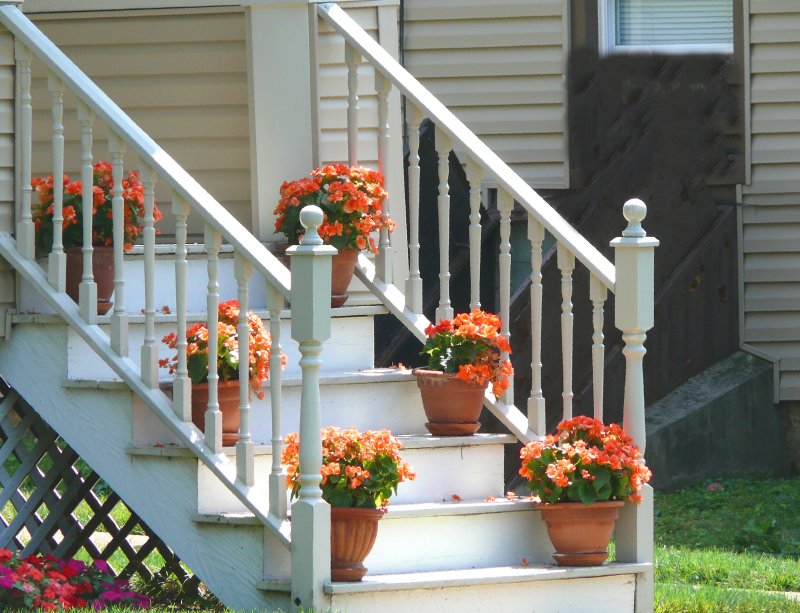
<point x="164" y="291"/>
<point x="349" y="348"/>
<point x="443" y="542"/>
<point x="473" y="473"/>
<point x="595" y="595"/>
<point x="342" y="404"/>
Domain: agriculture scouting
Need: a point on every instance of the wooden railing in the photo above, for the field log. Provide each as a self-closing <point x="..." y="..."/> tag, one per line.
<point x="481" y="164"/>
<point x="188" y="198"/>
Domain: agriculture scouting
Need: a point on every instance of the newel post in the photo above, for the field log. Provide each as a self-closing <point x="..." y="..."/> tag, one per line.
<point x="311" y="325"/>
<point x="634" y="289"/>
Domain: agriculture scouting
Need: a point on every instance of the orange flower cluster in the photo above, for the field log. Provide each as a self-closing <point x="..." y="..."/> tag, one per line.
<point x="584" y="461"/>
<point x="359" y="469"/>
<point x="259" y="345"/>
<point x="471" y="346"/>
<point x="351" y="199"/>
<point x="102" y="219"/>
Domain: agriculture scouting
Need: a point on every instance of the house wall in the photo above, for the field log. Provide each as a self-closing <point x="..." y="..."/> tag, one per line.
<point x="181" y="75"/>
<point x="770" y="215"/>
<point x="500" y="67"/>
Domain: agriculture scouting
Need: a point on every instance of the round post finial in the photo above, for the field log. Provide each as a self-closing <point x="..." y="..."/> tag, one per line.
<point x="311" y="217"/>
<point x="634" y="212"/>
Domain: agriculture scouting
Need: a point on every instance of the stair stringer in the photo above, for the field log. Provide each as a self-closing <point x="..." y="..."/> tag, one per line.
<point x="231" y="560"/>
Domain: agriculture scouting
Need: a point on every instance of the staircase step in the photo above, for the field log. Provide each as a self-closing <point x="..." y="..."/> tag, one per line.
<point x="350" y="347"/>
<point x="543" y="587"/>
<point x="370" y="399"/>
<point x="469" y="467"/>
<point x="445" y="536"/>
<point x="133" y="274"/>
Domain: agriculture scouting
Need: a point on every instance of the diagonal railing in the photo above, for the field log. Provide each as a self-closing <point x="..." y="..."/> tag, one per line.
<point x="481" y="164"/>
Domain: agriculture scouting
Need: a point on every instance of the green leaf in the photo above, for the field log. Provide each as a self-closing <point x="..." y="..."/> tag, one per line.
<point x="586" y="492"/>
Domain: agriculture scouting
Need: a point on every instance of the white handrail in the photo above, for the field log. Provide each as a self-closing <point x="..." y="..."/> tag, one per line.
<point x="459" y="134"/>
<point x="149" y="151"/>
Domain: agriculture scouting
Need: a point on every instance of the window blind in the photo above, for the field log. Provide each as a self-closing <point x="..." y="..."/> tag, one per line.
<point x="673" y="22"/>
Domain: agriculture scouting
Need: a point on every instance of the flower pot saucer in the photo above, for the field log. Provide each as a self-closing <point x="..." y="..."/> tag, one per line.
<point x="581" y="558"/>
<point x="453" y="428"/>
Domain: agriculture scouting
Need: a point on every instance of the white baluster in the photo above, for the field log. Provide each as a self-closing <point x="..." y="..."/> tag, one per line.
<point x="537" y="419"/>
<point x="443" y="147"/>
<point x="277" y="477"/>
<point x="182" y="384"/>
<point x="352" y="58"/>
<point x="149" y="352"/>
<point x="384" y="261"/>
<point x="245" y="458"/>
<point x="213" y="416"/>
<point x="633" y="308"/>
<point x="474" y="176"/>
<point x="119" y="319"/>
<point x="311" y="326"/>
<point x="505" y="204"/>
<point x="87" y="291"/>
<point x="566" y="264"/>
<point x="414" y="281"/>
<point x="26" y="236"/>
<point x="57" y="261"/>
<point x="598" y="294"/>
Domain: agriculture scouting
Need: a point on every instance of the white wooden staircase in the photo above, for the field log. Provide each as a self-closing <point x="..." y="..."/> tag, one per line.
<point x="451" y="538"/>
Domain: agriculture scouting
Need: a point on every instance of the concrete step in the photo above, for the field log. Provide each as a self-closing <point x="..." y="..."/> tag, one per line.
<point x="533" y="587"/>
<point x="468" y="467"/>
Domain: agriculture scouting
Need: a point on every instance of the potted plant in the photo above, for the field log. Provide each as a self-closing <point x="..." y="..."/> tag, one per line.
<point x="582" y="475"/>
<point x="42" y="210"/>
<point x="351" y="198"/>
<point x="360" y="472"/>
<point x="260" y="349"/>
<point x="464" y="357"/>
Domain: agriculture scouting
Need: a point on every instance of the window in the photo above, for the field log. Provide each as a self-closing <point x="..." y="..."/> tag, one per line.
<point x="667" y="26"/>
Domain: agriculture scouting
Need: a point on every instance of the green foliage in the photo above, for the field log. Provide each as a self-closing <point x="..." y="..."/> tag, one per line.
<point x="446" y="351"/>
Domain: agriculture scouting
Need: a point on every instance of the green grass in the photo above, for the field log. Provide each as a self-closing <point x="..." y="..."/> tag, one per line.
<point x="705" y="599"/>
<point x="724" y="548"/>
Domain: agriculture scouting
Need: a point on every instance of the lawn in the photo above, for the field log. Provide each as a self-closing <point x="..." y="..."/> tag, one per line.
<point x="728" y="546"/>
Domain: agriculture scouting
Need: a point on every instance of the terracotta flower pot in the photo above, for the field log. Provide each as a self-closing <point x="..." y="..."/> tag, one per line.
<point x="343" y="265"/>
<point x="353" y="533"/>
<point x="228" y="400"/>
<point x="102" y="269"/>
<point x="451" y="405"/>
<point x="580" y="534"/>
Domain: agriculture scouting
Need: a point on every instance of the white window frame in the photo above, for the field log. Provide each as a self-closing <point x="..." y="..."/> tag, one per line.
<point x="607" y="36"/>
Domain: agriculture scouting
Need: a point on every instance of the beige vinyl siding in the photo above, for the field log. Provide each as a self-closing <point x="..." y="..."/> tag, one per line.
<point x="500" y="68"/>
<point x="771" y="211"/>
<point x="182" y="76"/>
<point x="332" y="85"/>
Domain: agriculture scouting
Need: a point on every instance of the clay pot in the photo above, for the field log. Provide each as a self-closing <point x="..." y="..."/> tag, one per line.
<point x="580" y="533"/>
<point x="102" y="269"/>
<point x="343" y="266"/>
<point x="451" y="405"/>
<point x="228" y="400"/>
<point x="353" y="533"/>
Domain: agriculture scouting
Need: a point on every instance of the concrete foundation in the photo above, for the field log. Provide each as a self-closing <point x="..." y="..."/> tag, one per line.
<point x="721" y="423"/>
